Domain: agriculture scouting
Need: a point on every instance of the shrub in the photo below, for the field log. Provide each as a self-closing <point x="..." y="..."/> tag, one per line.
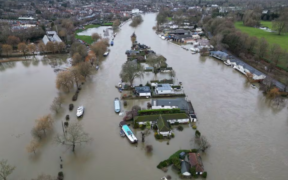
<point x="79" y="88"/>
<point x="193" y="171"/>
<point x="195" y="176"/>
<point x="194" y="150"/>
<point x="141" y="85"/>
<point x="149" y="148"/>
<point x="74" y="98"/>
<point x="142" y="126"/>
<point x="155" y="127"/>
<point x="197" y="133"/>
<point x="125" y="103"/>
<point x="204" y="175"/>
<point x="194" y="126"/>
<point x="148" y="125"/>
<point x="159" y="111"/>
<point x="172" y="135"/>
<point x="148" y="84"/>
<point x="176" y="123"/>
<point x="60" y="176"/>
<point x="66" y="124"/>
<point x="180" y="128"/>
<point x="136" y="125"/>
<point x="165" y="163"/>
<point x="149" y="105"/>
<point x="71" y="106"/>
<point x="158" y="136"/>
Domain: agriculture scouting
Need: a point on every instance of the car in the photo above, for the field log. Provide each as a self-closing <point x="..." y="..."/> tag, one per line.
<point x="80" y="111"/>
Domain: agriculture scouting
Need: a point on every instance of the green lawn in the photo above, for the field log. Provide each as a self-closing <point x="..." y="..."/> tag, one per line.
<point x="169" y="18"/>
<point x="87" y="39"/>
<point x="267" y="24"/>
<point x="108" y="24"/>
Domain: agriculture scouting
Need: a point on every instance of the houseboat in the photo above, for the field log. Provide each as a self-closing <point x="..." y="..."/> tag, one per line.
<point x="117" y="106"/>
<point x="129" y="134"/>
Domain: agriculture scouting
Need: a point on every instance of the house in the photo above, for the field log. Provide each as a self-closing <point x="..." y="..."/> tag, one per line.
<point x="219" y="55"/>
<point x="195" y="161"/>
<point x="195" y="37"/>
<point x="185" y="167"/>
<point x="143" y="91"/>
<point x="180" y="32"/>
<point x="188" y="40"/>
<point x="26" y="18"/>
<point x="51" y="36"/>
<point x="164" y="89"/>
<point x="163" y="127"/>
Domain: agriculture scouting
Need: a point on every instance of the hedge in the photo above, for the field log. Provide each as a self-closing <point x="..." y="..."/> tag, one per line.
<point x="159" y="111"/>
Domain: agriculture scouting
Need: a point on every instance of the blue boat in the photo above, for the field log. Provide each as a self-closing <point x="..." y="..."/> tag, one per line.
<point x="112" y="43"/>
<point x="129" y="134"/>
<point x="117" y="106"/>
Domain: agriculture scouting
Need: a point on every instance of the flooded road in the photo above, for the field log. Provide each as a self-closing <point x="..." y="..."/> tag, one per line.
<point x="248" y="137"/>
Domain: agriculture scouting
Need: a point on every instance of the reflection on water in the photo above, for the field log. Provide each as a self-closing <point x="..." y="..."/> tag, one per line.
<point x="248" y="137"/>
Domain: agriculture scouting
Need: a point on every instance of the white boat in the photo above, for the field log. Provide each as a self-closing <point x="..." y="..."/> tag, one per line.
<point x="228" y="63"/>
<point x="117" y="106"/>
<point x="194" y="50"/>
<point x="106" y="53"/>
<point x="163" y="37"/>
<point x="97" y="67"/>
<point x="80" y="111"/>
<point x="129" y="134"/>
<point x="241" y="69"/>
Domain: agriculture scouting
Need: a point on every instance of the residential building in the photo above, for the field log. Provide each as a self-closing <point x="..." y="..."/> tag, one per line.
<point x="185" y="167"/>
<point x="143" y="91"/>
<point x="51" y="36"/>
<point x="164" y="89"/>
<point x="195" y="161"/>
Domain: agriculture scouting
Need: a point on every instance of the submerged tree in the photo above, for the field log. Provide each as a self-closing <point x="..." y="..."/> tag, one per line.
<point x="85" y="69"/>
<point x="33" y="146"/>
<point x="116" y="24"/>
<point x="130" y="71"/>
<point x="5" y="169"/>
<point x="203" y="143"/>
<point x="44" y="123"/>
<point x="96" y="36"/>
<point x="99" y="48"/>
<point x="136" y="21"/>
<point x="64" y="81"/>
<point x="75" y="135"/>
<point x="133" y="38"/>
<point x="156" y="62"/>
<point x="56" y="105"/>
<point x="45" y="177"/>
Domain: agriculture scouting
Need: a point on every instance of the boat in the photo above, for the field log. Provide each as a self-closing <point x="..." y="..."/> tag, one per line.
<point x="106" y="53"/>
<point x="80" y="111"/>
<point x="112" y="43"/>
<point x="97" y="67"/>
<point x="117" y="106"/>
<point x="241" y="69"/>
<point x="129" y="134"/>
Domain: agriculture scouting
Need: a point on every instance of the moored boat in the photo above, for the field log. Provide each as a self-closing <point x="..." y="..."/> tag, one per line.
<point x="112" y="43"/>
<point x="117" y="106"/>
<point x="106" y="53"/>
<point x="129" y="134"/>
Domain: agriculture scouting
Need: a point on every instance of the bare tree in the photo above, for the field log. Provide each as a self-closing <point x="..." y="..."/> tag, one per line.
<point x="61" y="46"/>
<point x="136" y="21"/>
<point x="116" y="24"/>
<point x="251" y="18"/>
<point x="64" y="81"/>
<point x="32" y="48"/>
<point x="251" y="44"/>
<point x="85" y="69"/>
<point x="23" y="48"/>
<point x="280" y="24"/>
<point x="76" y="59"/>
<point x="50" y="47"/>
<point x="262" y="48"/>
<point x="7" y="49"/>
<point x="44" y="177"/>
<point x="13" y="40"/>
<point x="75" y="135"/>
<point x="133" y="38"/>
<point x="156" y="62"/>
<point x="96" y="36"/>
<point x="203" y="143"/>
<point x="130" y="71"/>
<point x="99" y="48"/>
<point x="41" y="47"/>
<point x="5" y="169"/>
<point x="77" y="47"/>
<point x="276" y="54"/>
<point x="56" y="105"/>
<point x="44" y="123"/>
<point x="76" y="76"/>
<point x="36" y="133"/>
<point x="33" y="146"/>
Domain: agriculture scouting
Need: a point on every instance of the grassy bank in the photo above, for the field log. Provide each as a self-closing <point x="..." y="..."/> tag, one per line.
<point x="87" y="39"/>
<point x="271" y="38"/>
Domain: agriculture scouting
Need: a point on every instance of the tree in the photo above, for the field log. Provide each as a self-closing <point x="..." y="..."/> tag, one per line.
<point x="76" y="75"/>
<point x="76" y="59"/>
<point x="136" y="21"/>
<point x="62" y="33"/>
<point x="156" y="62"/>
<point x="251" y="44"/>
<point x="50" y="47"/>
<point x="273" y="93"/>
<point x="33" y="146"/>
<point x="280" y="24"/>
<point x="64" y="81"/>
<point x="36" y="133"/>
<point x="32" y="48"/>
<point x="96" y="36"/>
<point x="77" y="47"/>
<point x="44" y="123"/>
<point x="261" y="51"/>
<point x="45" y="177"/>
<point x="130" y="71"/>
<point x="5" y="169"/>
<point x="216" y="41"/>
<point x="61" y="46"/>
<point x="13" y="40"/>
<point x="74" y="135"/>
<point x="251" y="18"/>
<point x="99" y="48"/>
<point x="116" y="24"/>
<point x="57" y="102"/>
<point x="23" y="48"/>
<point x="85" y="69"/>
<point x="203" y="143"/>
<point x="133" y="38"/>
<point x="41" y="47"/>
<point x="276" y="54"/>
<point x="7" y="49"/>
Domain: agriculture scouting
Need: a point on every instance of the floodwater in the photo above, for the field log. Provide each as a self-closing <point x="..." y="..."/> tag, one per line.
<point x="104" y="31"/>
<point x="248" y="137"/>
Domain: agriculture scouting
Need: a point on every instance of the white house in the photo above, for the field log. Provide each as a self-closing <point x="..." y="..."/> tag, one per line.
<point x="164" y="89"/>
<point x="51" y="36"/>
<point x="136" y="11"/>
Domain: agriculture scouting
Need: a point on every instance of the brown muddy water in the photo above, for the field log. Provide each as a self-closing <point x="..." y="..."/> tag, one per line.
<point x="248" y="136"/>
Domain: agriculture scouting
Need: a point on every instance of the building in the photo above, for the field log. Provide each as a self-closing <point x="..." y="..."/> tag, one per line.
<point x="136" y="11"/>
<point x="180" y="32"/>
<point x="26" y="18"/>
<point x="185" y="167"/>
<point x="164" y="89"/>
<point x="219" y="55"/>
<point x="195" y="161"/>
<point x="143" y="91"/>
<point x="51" y="36"/>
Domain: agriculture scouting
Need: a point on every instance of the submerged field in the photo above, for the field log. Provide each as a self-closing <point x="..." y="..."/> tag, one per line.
<point x="86" y="39"/>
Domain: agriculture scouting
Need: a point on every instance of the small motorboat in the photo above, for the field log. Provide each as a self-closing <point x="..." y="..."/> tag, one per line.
<point x="112" y="43"/>
<point x="80" y="111"/>
<point x="129" y="134"/>
<point x="117" y="106"/>
<point x="97" y="67"/>
<point x="106" y="53"/>
<point x="253" y="86"/>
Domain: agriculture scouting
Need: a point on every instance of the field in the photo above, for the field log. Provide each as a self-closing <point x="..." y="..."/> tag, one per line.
<point x="271" y="38"/>
<point x="86" y="39"/>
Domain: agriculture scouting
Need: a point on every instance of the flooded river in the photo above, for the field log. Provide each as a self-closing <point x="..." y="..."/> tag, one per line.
<point x="248" y="137"/>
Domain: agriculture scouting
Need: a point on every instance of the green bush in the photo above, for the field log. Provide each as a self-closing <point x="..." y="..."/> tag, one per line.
<point x="155" y="127"/>
<point x="142" y="126"/>
<point x="148" y="125"/>
<point x="194" y="150"/>
<point x="194" y="126"/>
<point x="159" y="111"/>
<point x="136" y="125"/>
<point x="195" y="176"/>
<point x="165" y="163"/>
<point x="204" y="175"/>
<point x="172" y="135"/>
<point x="158" y="136"/>
<point x="177" y="163"/>
<point x="197" y="133"/>
<point x="148" y="84"/>
<point x="193" y="170"/>
<point x="180" y="128"/>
